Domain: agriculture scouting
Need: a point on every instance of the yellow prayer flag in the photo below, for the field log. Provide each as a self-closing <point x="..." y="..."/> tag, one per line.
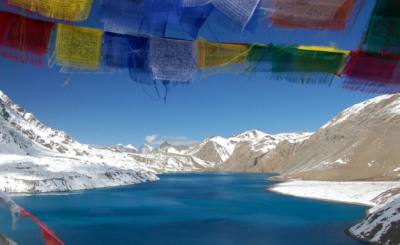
<point x="78" y="47"/>
<point x="221" y="54"/>
<point x="72" y="10"/>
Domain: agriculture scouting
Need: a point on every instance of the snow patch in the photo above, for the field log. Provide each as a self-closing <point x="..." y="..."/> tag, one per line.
<point x="395" y="107"/>
<point x="378" y="223"/>
<point x="347" y="192"/>
<point x="371" y="163"/>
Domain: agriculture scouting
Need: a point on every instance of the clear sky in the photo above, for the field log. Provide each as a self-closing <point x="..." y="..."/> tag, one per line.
<point x="107" y="109"/>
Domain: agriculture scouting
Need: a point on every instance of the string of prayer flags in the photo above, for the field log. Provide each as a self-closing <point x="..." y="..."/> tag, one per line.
<point x="71" y="10"/>
<point x="383" y="35"/>
<point x="211" y="54"/>
<point x="172" y="60"/>
<point x="24" y="40"/>
<point x="78" y="47"/>
<point x="318" y="14"/>
<point x="156" y="40"/>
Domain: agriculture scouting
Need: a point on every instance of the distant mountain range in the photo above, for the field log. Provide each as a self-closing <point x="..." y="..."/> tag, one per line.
<point x="361" y="143"/>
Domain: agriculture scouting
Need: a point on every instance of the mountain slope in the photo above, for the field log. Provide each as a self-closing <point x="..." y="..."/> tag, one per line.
<point x="246" y="153"/>
<point x="36" y="158"/>
<point x="361" y="143"/>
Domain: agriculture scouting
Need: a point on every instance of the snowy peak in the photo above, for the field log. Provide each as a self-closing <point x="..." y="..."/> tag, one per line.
<point x="251" y="135"/>
<point x="124" y="148"/>
<point x="381" y="105"/>
<point x="214" y="149"/>
<point x="145" y="149"/>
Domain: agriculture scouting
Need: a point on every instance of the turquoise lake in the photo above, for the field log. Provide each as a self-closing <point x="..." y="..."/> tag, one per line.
<point x="192" y="209"/>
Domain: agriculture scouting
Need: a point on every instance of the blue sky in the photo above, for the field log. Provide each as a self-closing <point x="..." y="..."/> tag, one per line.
<point x="107" y="109"/>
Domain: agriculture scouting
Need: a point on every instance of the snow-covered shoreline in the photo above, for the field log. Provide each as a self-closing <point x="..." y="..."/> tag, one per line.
<point x="46" y="174"/>
<point x="381" y="225"/>
<point x="354" y="192"/>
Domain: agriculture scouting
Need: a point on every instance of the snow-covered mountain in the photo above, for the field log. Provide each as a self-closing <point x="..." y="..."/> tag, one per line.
<point x="215" y="149"/>
<point x="37" y="158"/>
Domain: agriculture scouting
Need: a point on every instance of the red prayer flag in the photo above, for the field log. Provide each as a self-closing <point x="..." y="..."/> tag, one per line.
<point x="326" y="14"/>
<point x="381" y="68"/>
<point x="23" y="39"/>
<point x="48" y="235"/>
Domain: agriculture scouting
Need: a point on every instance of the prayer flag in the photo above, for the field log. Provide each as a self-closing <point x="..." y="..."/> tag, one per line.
<point x="22" y="39"/>
<point x="78" y="47"/>
<point x="71" y="10"/>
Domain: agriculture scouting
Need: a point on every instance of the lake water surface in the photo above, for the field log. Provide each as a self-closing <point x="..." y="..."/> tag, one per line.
<point x="187" y="209"/>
